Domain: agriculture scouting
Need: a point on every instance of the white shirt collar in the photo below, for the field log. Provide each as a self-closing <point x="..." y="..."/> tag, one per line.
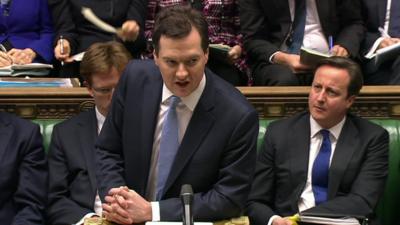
<point x="191" y="100"/>
<point x="335" y="130"/>
<point x="100" y="120"/>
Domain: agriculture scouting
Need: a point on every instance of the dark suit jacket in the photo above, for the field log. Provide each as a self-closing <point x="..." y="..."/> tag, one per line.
<point x="23" y="169"/>
<point x="216" y="155"/>
<point x="72" y="176"/>
<point x="29" y="26"/>
<point x="356" y="176"/>
<point x="69" y="21"/>
<point x="266" y="24"/>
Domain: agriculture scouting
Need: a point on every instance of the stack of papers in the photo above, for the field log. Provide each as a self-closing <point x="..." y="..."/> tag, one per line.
<point x="311" y="57"/>
<point x="219" y="52"/>
<point x="329" y="221"/>
<point x="32" y="69"/>
<point x="36" y="82"/>
<point x="382" y="55"/>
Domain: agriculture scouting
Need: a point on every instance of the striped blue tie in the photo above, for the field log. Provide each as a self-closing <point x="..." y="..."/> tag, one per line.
<point x="320" y="170"/>
<point x="298" y="26"/>
<point x="169" y="145"/>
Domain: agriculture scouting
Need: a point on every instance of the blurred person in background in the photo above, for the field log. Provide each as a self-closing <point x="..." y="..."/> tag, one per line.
<point x="26" y="32"/>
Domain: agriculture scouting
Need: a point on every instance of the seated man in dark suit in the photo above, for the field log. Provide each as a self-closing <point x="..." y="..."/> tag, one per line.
<point x="171" y="123"/>
<point x="23" y="169"/>
<point x="322" y="161"/>
<point x="382" y="21"/>
<point x="72" y="186"/>
<point x="274" y="31"/>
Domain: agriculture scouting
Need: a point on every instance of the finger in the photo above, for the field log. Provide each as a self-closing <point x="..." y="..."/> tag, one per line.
<point x="128" y="194"/>
<point x="121" y="201"/>
<point x="12" y="51"/>
<point x="106" y="207"/>
<point x="109" y="199"/>
<point x="114" y="191"/>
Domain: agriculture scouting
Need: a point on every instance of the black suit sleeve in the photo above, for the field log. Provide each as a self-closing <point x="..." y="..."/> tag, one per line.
<point x="225" y="199"/>
<point x="256" y="31"/>
<point x="30" y="196"/>
<point x="62" y="209"/>
<point x="63" y="21"/>
<point x="262" y="195"/>
<point x="351" y="26"/>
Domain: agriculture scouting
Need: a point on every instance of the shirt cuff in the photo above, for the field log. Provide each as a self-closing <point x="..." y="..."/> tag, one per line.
<point x="155" y="210"/>
<point x="270" y="60"/>
<point x="83" y="218"/>
<point x="374" y="47"/>
<point x="272" y="219"/>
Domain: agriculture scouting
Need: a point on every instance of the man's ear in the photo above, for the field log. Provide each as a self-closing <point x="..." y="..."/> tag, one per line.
<point x="350" y="101"/>
<point x="206" y="53"/>
<point x="155" y="56"/>
<point x="89" y="88"/>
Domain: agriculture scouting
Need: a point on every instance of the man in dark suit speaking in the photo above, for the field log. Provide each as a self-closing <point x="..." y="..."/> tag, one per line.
<point x="172" y="123"/>
<point x="324" y="160"/>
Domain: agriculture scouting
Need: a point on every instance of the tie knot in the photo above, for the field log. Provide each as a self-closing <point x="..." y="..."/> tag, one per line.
<point x="173" y="101"/>
<point x="325" y="133"/>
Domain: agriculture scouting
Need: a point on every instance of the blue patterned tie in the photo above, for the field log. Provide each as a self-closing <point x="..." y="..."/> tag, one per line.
<point x="298" y="25"/>
<point x="320" y="170"/>
<point x="169" y="145"/>
<point x="394" y="22"/>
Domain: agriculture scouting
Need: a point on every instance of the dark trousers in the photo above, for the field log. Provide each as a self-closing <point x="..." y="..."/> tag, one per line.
<point x="266" y="74"/>
<point x="228" y="72"/>
<point x="387" y="74"/>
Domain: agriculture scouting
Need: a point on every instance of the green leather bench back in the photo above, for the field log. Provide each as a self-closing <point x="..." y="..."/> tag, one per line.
<point x="389" y="206"/>
<point x="46" y="128"/>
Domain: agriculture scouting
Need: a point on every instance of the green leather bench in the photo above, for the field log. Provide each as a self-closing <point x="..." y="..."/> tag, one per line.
<point x="389" y="207"/>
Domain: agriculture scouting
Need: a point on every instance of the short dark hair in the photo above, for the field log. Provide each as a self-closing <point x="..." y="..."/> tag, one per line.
<point x="352" y="68"/>
<point x="101" y="57"/>
<point x="177" y="22"/>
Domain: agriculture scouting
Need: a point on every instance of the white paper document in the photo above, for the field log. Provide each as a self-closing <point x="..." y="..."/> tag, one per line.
<point x="90" y="16"/>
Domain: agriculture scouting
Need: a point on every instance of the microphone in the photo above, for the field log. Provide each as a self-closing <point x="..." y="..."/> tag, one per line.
<point x="187" y="201"/>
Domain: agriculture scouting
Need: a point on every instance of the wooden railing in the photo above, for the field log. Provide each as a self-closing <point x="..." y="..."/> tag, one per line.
<point x="270" y="102"/>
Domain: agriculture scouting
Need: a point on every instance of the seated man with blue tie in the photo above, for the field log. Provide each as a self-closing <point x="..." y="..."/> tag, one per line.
<point x="72" y="183"/>
<point x="274" y="32"/>
<point x="173" y="122"/>
<point x="382" y="20"/>
<point x="322" y="161"/>
<point x="23" y="172"/>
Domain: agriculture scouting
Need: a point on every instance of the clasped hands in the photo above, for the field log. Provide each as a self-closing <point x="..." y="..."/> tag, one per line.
<point x="125" y="206"/>
<point x="17" y="56"/>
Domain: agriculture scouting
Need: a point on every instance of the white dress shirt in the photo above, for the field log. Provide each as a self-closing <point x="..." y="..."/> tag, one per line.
<point x="184" y="112"/>
<point x="314" y="38"/>
<point x="384" y="34"/>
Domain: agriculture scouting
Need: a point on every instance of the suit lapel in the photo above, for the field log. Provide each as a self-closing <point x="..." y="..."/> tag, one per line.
<point x="299" y="154"/>
<point x="5" y="135"/>
<point x="150" y="106"/>
<point x="283" y="11"/>
<point x="87" y="134"/>
<point x="200" y="123"/>
<point x="343" y="153"/>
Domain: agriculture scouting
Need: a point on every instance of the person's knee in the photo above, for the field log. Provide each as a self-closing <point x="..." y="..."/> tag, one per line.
<point x="274" y="75"/>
